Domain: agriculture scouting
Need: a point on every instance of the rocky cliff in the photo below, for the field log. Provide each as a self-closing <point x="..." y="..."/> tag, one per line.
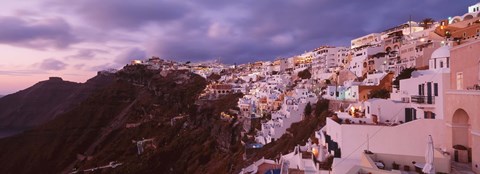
<point x="45" y="100"/>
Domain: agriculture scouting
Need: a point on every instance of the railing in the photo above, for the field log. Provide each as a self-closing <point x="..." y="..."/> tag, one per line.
<point x="474" y="87"/>
<point x="422" y="99"/>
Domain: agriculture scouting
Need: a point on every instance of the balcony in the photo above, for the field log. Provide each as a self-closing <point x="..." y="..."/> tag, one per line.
<point x="474" y="87"/>
<point x="420" y="99"/>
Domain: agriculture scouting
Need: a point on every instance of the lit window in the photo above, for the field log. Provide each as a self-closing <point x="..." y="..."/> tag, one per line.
<point x="459" y="80"/>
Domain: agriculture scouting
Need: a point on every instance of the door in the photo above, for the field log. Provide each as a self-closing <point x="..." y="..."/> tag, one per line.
<point x="429" y="93"/>
<point x="410" y="114"/>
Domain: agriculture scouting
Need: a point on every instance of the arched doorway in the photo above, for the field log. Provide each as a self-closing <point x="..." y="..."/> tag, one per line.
<point x="461" y="136"/>
<point x="460" y="130"/>
<point x="396" y="48"/>
<point x="388" y="49"/>
<point x="455" y="20"/>
<point x="468" y="17"/>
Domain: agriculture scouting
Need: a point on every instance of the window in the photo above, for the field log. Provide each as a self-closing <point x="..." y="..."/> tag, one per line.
<point x="459" y="80"/>
<point x="441" y="64"/>
<point x="423" y="89"/>
<point x="429" y="115"/>
<point x="435" y="89"/>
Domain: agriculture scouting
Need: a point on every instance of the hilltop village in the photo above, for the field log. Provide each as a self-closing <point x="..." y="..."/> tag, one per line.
<point x="388" y="92"/>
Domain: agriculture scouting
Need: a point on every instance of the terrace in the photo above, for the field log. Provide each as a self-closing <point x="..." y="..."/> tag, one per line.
<point x="420" y="99"/>
<point x="395" y="163"/>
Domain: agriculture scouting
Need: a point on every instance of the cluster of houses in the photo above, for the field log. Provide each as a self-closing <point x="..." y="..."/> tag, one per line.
<point x="203" y="69"/>
<point x="439" y="97"/>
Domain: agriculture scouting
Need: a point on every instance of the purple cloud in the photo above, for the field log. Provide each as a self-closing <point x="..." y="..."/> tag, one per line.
<point x="248" y="30"/>
<point x="38" y="34"/>
<point x="86" y="54"/>
<point x="126" y="14"/>
<point x="52" y="64"/>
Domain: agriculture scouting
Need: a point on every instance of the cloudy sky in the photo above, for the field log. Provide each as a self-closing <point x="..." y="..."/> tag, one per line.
<point x="74" y="39"/>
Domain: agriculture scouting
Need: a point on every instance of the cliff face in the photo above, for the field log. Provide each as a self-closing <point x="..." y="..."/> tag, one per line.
<point x="45" y="100"/>
<point x="180" y="136"/>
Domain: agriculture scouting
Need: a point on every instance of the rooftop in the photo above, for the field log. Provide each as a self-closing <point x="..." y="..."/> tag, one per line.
<point x="441" y="52"/>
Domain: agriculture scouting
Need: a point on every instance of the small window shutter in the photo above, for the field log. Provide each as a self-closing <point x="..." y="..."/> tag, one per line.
<point x="419" y="89"/>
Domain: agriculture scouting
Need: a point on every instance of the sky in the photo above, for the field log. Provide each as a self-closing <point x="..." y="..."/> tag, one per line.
<point x="75" y="39"/>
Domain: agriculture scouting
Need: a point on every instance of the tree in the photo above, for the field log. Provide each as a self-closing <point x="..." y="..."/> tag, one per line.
<point x="320" y="106"/>
<point x="308" y="109"/>
<point x="305" y="74"/>
<point x="214" y="77"/>
<point x="379" y="93"/>
<point x="427" y="23"/>
<point x="405" y="74"/>
<point x="321" y="110"/>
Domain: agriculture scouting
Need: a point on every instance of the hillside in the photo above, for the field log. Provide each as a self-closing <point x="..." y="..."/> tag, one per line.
<point x="185" y="137"/>
<point x="45" y="100"/>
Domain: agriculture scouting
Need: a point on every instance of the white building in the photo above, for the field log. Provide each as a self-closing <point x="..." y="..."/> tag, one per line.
<point x="399" y="125"/>
<point x="347" y="142"/>
<point x="474" y="8"/>
<point x="370" y="39"/>
<point x="327" y="59"/>
<point x="425" y="89"/>
<point x="358" y="64"/>
<point x="291" y="112"/>
<point x="385" y="110"/>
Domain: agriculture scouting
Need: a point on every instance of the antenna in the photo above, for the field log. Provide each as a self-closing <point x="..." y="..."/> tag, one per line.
<point x="410" y="24"/>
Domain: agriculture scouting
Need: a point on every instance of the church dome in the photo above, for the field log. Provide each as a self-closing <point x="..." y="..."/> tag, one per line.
<point x="441" y="52"/>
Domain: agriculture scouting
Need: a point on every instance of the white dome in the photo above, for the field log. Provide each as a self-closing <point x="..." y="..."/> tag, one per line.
<point x="441" y="52"/>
